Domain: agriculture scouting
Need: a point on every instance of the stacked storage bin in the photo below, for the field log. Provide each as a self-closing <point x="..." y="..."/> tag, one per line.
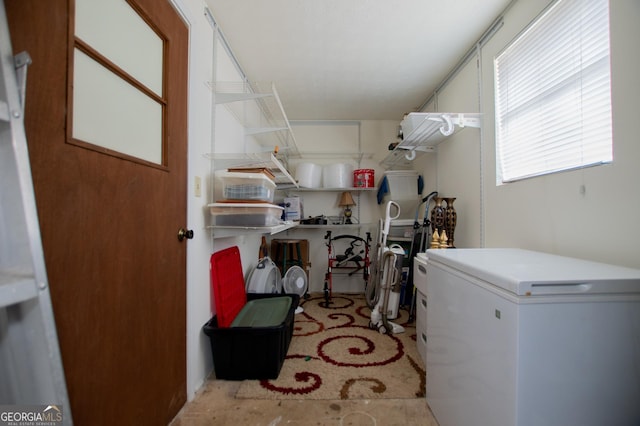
<point x="245" y="198"/>
<point x="250" y="333"/>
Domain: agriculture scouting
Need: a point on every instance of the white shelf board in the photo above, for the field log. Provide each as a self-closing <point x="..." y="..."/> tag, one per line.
<point x="234" y="231"/>
<point x="306" y="155"/>
<point x="16" y="288"/>
<point x="336" y="227"/>
<point x="225" y="98"/>
<point x="257" y="159"/>
<point x="304" y="189"/>
<point x="4" y="111"/>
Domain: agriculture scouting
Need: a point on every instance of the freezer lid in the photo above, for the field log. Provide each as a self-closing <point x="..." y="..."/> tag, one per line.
<point x="530" y="273"/>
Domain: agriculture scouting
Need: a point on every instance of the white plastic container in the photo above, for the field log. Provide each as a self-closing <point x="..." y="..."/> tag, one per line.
<point x="403" y="184"/>
<point x="293" y="209"/>
<point x="338" y="175"/>
<point x="401" y="228"/>
<point x="309" y="175"/>
<point x="245" y="214"/>
<point x="402" y="187"/>
<point x="244" y="186"/>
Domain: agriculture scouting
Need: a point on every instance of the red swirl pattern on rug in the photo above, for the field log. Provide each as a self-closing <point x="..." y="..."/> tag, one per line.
<point x="355" y="350"/>
<point x="303" y="377"/>
<point x="335" y="355"/>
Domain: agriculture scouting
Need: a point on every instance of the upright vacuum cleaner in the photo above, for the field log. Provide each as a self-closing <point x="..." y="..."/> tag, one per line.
<point x="390" y="282"/>
<point x="384" y="295"/>
<point x="372" y="291"/>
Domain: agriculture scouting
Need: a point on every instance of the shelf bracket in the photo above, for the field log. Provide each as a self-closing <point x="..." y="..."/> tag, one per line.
<point x="410" y="155"/>
<point x="447" y="127"/>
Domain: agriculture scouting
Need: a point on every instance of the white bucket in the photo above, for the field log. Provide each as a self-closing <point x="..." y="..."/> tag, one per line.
<point x="309" y="175"/>
<point x="337" y="176"/>
<point x="403" y="189"/>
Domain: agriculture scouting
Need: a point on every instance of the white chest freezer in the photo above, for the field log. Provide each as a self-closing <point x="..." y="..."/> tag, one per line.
<point x="516" y="337"/>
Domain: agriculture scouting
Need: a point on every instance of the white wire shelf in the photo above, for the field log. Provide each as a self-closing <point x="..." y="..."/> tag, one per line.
<point x="424" y="131"/>
<point x="267" y="160"/>
<point x="258" y="107"/>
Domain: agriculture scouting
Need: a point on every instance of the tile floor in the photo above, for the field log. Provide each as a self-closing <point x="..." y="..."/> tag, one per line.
<point x="215" y="405"/>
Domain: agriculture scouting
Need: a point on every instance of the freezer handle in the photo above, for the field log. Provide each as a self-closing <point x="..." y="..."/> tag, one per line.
<point x="559" y="288"/>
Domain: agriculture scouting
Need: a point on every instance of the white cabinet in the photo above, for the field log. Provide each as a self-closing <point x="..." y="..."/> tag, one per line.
<point x="420" y="283"/>
<point x="421" y="325"/>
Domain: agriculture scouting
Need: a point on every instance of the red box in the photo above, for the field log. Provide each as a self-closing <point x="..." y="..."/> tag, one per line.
<point x="363" y="178"/>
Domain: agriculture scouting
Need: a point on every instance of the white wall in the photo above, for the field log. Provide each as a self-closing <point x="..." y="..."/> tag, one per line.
<point x="548" y="213"/>
<point x="199" y="362"/>
<point x="203" y="124"/>
<point x="458" y="168"/>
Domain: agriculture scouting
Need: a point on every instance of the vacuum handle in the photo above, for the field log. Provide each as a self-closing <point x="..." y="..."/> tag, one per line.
<point x="388" y="217"/>
<point x="432" y="194"/>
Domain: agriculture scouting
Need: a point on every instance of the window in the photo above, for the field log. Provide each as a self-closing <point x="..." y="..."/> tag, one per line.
<point x="553" y="93"/>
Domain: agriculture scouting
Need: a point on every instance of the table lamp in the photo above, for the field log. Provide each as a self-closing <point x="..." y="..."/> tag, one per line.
<point x="346" y="201"/>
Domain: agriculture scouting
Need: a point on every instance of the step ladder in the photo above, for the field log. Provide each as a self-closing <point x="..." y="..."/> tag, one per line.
<point x="31" y="372"/>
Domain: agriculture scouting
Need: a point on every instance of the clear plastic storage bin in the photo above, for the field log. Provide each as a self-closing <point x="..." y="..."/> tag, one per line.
<point x="244" y="186"/>
<point x="246" y="214"/>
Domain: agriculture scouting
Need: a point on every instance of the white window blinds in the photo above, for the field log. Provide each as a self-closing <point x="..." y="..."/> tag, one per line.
<point x="553" y="93"/>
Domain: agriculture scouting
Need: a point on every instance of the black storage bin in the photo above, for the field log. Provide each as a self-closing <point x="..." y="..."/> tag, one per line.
<point x="255" y="353"/>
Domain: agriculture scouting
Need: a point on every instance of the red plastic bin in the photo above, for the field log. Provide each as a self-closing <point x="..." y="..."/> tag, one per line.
<point x="228" y="295"/>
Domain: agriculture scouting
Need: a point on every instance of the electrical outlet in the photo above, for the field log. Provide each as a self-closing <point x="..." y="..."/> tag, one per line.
<point x="197" y="187"/>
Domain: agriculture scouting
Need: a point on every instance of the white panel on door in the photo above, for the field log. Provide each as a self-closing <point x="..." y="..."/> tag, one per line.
<point x="109" y="112"/>
<point x="117" y="32"/>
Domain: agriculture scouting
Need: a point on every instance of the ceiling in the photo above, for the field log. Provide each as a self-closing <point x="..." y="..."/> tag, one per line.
<point x="352" y="59"/>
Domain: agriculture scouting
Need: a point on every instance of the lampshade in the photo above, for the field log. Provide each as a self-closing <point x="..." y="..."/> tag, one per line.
<point x="346" y="200"/>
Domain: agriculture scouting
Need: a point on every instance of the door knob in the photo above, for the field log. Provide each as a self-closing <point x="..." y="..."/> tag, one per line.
<point x="185" y="233"/>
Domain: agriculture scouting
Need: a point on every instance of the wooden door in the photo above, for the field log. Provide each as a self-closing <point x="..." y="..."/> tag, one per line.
<point x="109" y="225"/>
